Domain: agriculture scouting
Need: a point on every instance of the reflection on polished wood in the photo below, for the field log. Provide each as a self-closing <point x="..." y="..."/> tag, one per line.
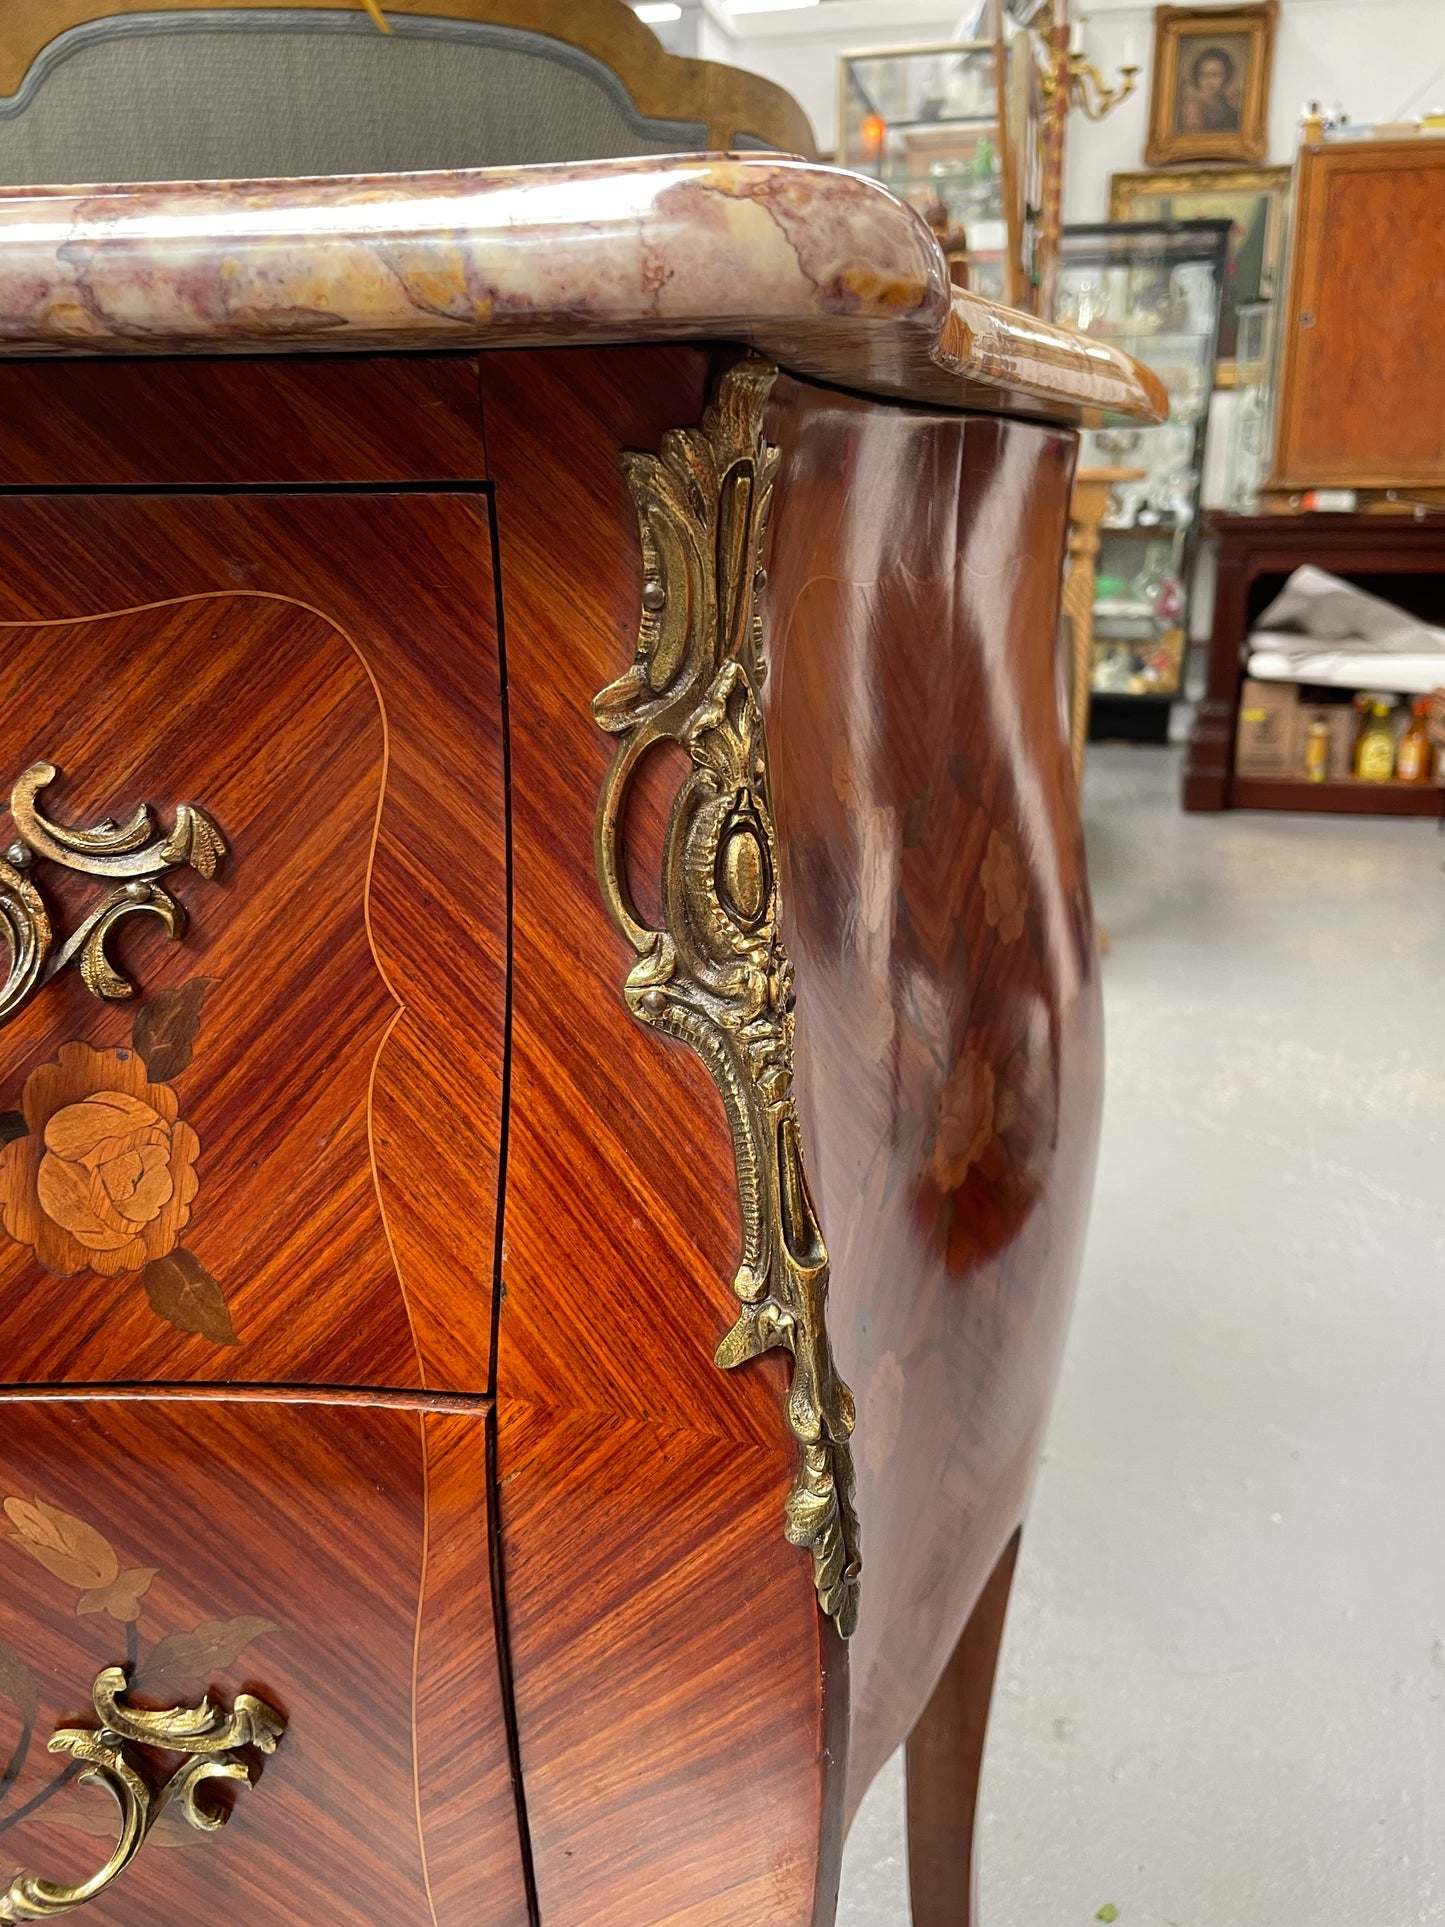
<point x="937" y="911"/>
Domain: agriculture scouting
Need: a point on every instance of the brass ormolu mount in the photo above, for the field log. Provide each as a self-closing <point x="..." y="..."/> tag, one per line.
<point x="716" y="976"/>
<point x="213" y="1742"/>
<point x="132" y="857"/>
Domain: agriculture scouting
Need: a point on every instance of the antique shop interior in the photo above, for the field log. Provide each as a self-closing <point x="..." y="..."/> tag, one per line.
<point x="635" y="631"/>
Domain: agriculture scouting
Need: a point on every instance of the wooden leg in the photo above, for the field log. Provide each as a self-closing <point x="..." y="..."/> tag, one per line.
<point x="945" y="1760"/>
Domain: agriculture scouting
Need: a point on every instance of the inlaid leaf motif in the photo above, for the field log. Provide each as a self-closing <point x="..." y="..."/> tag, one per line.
<point x="166" y="1028"/>
<point x="64" y="1545"/>
<point x="184" y="1293"/>
<point x="1005" y="888"/>
<point x="122" y="1597"/>
<point x="191" y="1658"/>
<point x="12" y="1126"/>
<point x="17" y="1683"/>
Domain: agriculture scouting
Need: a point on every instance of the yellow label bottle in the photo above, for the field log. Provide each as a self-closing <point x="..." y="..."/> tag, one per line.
<point x="1375" y="749"/>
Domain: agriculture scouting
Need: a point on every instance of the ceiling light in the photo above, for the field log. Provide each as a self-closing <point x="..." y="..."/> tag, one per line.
<point x="766" y="6"/>
<point x="654" y="12"/>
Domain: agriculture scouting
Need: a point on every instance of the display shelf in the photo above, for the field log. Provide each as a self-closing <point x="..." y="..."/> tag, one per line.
<point x="937" y="121"/>
<point x="1399" y="556"/>
<point x="1127" y="337"/>
<point x="1341" y="795"/>
<point x="1107" y="609"/>
<point x="1159" y="530"/>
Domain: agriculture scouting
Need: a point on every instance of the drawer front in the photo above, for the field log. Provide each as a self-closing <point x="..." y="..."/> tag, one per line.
<point x="276" y="1160"/>
<point x="329" y="1560"/>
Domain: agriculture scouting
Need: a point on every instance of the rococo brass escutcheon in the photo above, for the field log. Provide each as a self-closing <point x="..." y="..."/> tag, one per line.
<point x="213" y="1742"/>
<point x="131" y="856"/>
<point x="717" y="976"/>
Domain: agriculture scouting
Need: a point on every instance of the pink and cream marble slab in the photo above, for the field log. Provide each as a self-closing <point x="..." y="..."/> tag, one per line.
<point x="824" y="271"/>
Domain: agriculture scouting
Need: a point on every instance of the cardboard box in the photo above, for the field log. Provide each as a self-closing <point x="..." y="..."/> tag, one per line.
<point x="1265" y="742"/>
<point x="1343" y="724"/>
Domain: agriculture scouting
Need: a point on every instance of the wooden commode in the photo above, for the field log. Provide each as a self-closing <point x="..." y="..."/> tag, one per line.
<point x="550" y="1059"/>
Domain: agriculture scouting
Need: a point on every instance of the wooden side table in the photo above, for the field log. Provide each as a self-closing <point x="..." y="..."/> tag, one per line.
<point x="1396" y="556"/>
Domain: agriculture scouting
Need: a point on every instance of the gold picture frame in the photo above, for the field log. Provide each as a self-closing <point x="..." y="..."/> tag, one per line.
<point x="1255" y="200"/>
<point x="1210" y="91"/>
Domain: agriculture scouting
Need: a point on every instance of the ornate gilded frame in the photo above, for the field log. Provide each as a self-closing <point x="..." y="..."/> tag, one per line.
<point x="1167" y="143"/>
<point x="669" y="86"/>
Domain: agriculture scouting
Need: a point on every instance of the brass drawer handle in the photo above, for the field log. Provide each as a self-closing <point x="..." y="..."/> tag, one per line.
<point x="131" y="856"/>
<point x="211" y="1737"/>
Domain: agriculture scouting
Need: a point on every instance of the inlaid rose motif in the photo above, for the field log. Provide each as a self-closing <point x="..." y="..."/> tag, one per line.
<point x="98" y="1167"/>
<point x="104" y="1178"/>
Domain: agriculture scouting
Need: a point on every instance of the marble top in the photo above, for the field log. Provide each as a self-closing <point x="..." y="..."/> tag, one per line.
<point x="823" y="271"/>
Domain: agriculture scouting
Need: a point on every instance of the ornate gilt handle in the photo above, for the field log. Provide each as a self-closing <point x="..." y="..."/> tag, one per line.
<point x="212" y="1740"/>
<point x="132" y="857"/>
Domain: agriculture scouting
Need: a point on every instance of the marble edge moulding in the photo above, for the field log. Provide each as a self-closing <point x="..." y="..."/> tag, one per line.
<point x="824" y="272"/>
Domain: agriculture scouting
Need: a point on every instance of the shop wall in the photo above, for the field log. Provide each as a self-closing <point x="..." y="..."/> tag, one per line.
<point x="1382" y="59"/>
<point x="800" y="50"/>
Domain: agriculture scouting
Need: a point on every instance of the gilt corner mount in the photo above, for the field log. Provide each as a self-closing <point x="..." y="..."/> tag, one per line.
<point x="716" y="976"/>
<point x="132" y="856"/>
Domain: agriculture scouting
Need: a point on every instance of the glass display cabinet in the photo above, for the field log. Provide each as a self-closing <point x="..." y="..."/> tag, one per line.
<point x="957" y="132"/>
<point x="1251" y="421"/>
<point x="1153" y="289"/>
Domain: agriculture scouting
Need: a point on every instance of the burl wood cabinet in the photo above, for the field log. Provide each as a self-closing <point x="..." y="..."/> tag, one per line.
<point x="1359" y="381"/>
<point x="550" y="1052"/>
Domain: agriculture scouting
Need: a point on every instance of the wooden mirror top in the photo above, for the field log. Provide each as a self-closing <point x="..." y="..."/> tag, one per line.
<point x="823" y="271"/>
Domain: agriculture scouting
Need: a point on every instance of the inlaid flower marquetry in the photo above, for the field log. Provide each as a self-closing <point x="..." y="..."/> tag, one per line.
<point x="99" y="1171"/>
<point x="104" y="1176"/>
<point x="76" y="1554"/>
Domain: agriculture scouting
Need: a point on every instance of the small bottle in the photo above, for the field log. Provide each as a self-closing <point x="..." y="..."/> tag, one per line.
<point x="1413" y="759"/>
<point x="1317" y="751"/>
<point x="1375" y="745"/>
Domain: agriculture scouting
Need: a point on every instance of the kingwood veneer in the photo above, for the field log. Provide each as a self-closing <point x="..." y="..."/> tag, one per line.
<point x="581" y="853"/>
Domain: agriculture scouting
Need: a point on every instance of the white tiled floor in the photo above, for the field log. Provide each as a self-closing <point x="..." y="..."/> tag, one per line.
<point x="1222" y="1697"/>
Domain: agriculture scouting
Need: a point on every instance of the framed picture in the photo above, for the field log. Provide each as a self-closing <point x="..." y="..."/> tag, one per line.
<point x="1252" y="199"/>
<point x="1211" y="83"/>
